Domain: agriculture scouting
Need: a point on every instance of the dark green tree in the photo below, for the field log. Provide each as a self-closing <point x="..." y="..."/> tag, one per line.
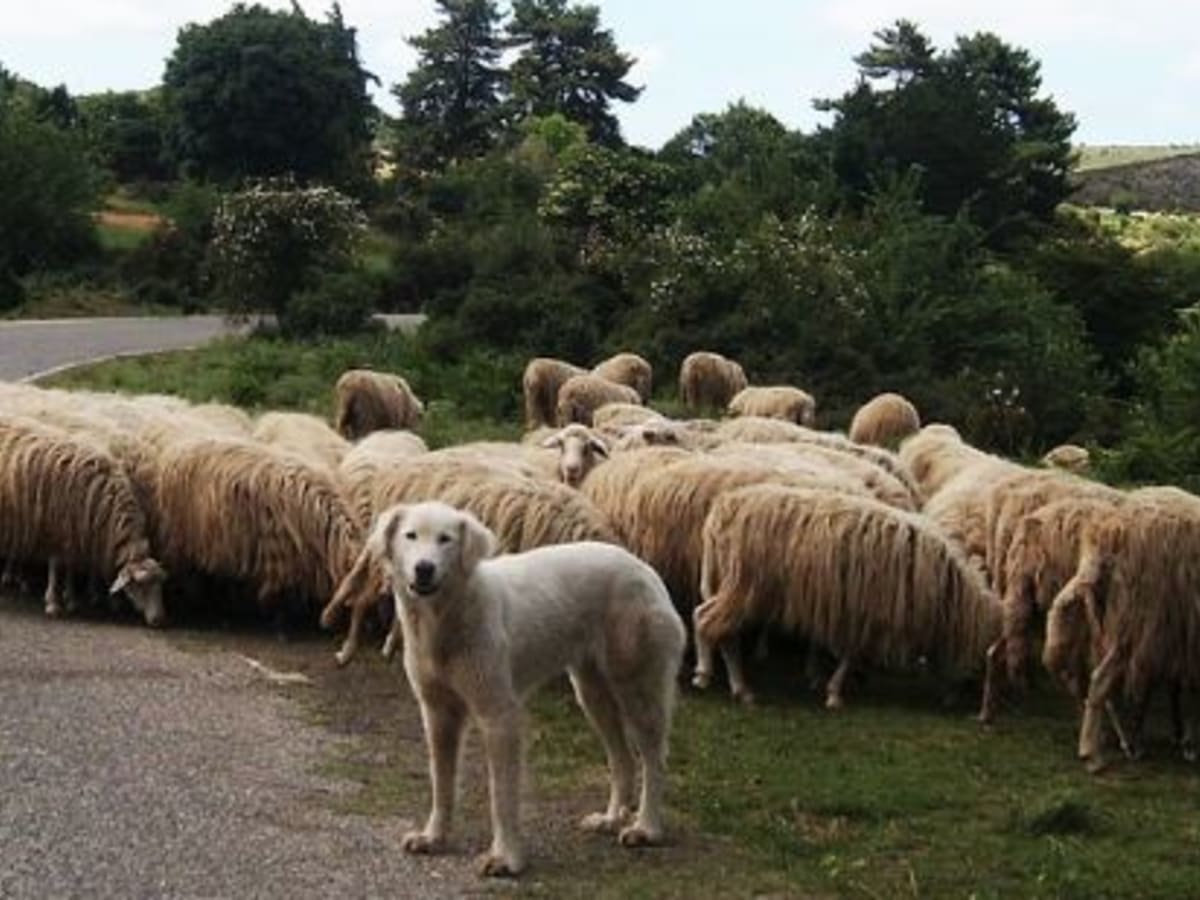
<point x="126" y="131"/>
<point x="259" y="92"/>
<point x="452" y="100"/>
<point x="568" y="64"/>
<point x="969" y="120"/>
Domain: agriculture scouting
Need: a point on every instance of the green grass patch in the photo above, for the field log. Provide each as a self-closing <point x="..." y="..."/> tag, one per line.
<point x="117" y="238"/>
<point x="376" y="252"/>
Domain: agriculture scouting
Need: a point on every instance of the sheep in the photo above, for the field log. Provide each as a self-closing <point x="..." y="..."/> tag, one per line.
<point x="369" y="401"/>
<point x="242" y="510"/>
<point x="709" y="380"/>
<point x="886" y="420"/>
<point x="507" y="458"/>
<point x="579" y="451"/>
<point x="630" y="370"/>
<point x="581" y="395"/>
<point x="522" y="512"/>
<point x="1041" y="558"/>
<point x="540" y="384"/>
<point x="1070" y="457"/>
<point x="619" y="415"/>
<point x="937" y="454"/>
<point x="611" y="486"/>
<point x="869" y="582"/>
<point x="777" y="402"/>
<point x="66" y="500"/>
<point x="221" y="417"/>
<point x="1135" y="588"/>
<point x="303" y="435"/>
<point x="376" y="453"/>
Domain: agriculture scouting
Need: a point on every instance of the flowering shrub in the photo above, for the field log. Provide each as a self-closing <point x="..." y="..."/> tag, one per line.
<point x="275" y="238"/>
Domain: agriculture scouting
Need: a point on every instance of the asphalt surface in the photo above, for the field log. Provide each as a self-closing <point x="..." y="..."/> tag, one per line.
<point x="132" y="768"/>
<point x="30" y="347"/>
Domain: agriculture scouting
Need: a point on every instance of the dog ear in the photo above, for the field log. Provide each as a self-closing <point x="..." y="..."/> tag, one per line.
<point x="383" y="535"/>
<point x="476" y="541"/>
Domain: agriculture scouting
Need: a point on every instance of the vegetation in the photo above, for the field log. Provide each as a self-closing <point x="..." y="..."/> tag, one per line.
<point x="1104" y="156"/>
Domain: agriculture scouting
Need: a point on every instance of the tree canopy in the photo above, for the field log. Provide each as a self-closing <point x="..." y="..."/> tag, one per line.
<point x="259" y="92"/>
<point x="969" y="120"/>
<point x="568" y="64"/>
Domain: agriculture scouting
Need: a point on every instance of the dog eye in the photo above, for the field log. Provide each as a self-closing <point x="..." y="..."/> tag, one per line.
<point x="410" y="535"/>
<point x="444" y="539"/>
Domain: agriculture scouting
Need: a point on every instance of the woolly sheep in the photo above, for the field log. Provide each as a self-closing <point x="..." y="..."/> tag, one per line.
<point x="540" y="384"/>
<point x="1135" y="587"/>
<point x="523" y="513"/>
<point x="579" y="451"/>
<point x="886" y="420"/>
<point x="370" y="401"/>
<point x="630" y="370"/>
<point x="66" y="501"/>
<point x="619" y="415"/>
<point x="709" y="380"/>
<point x="1070" y="457"/>
<point x="868" y="582"/>
<point x="776" y="402"/>
<point x="303" y="435"/>
<point x="506" y="457"/>
<point x="581" y="395"/>
<point x="937" y="454"/>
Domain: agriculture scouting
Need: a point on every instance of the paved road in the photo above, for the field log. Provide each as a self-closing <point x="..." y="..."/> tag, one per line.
<point x="131" y="768"/>
<point x="29" y="347"/>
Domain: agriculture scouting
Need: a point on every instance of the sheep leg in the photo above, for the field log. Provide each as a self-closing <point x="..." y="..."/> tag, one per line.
<point x="8" y="578"/>
<point x="812" y="667"/>
<point x="1183" y="727"/>
<point x="1104" y="679"/>
<point x="70" y="597"/>
<point x="702" y="674"/>
<point x="1131" y="748"/>
<point x="833" y="690"/>
<point x="991" y="677"/>
<point x="53" y="597"/>
<point x="731" y="653"/>
<point x="762" y="645"/>
<point x="358" y="612"/>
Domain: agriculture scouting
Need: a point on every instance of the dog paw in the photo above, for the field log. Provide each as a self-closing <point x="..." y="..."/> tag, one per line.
<point x="499" y="865"/>
<point x="420" y="842"/>
<point x="638" y="836"/>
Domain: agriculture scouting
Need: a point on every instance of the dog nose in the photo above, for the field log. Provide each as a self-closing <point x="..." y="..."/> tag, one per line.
<point x="424" y="571"/>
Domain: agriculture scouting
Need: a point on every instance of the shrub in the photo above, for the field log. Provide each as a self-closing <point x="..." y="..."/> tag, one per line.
<point x="338" y="303"/>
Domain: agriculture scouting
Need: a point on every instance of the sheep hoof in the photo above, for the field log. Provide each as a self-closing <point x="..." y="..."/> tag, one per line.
<point x="701" y="680"/>
<point x="746" y="698"/>
<point x="343" y="656"/>
<point x="603" y="823"/>
<point x="833" y="702"/>
<point x="54" y="611"/>
<point x="1095" y="764"/>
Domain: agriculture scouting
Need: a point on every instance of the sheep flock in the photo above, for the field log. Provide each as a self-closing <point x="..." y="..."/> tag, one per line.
<point x="895" y="547"/>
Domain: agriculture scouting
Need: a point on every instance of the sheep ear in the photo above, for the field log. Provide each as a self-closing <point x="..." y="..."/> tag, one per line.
<point x="383" y="535"/>
<point x="476" y="541"/>
<point x="553" y="441"/>
<point x="123" y="580"/>
<point x="598" y="447"/>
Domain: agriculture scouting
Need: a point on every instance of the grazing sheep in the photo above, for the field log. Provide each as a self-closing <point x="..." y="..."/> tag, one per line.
<point x="777" y="402"/>
<point x="581" y="395"/>
<point x="1135" y="588"/>
<point x="1071" y="457"/>
<point x="618" y="415"/>
<point x="540" y="385"/>
<point x="66" y="501"/>
<point x="886" y="420"/>
<point x="522" y="512"/>
<point x="869" y="582"/>
<point x="371" y="401"/>
<point x="630" y="370"/>
<point x="303" y="435"/>
<point x="376" y="453"/>
<point x="246" y="511"/>
<point x="1041" y="557"/>
<point x="709" y="380"/>
<point x="936" y="454"/>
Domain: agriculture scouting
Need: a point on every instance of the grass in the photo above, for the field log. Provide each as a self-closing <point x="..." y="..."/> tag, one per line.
<point x="1106" y="156"/>
<point x="900" y="794"/>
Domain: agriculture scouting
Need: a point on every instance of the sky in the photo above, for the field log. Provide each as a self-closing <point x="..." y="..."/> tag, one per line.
<point x="1129" y="71"/>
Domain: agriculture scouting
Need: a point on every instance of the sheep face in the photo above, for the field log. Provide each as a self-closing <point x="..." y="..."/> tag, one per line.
<point x="580" y="451"/>
<point x="142" y="583"/>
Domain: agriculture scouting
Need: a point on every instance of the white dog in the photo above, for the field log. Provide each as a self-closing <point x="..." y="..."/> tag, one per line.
<point x="481" y="633"/>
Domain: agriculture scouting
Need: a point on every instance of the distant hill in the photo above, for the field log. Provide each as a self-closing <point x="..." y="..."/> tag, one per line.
<point x="1158" y="184"/>
<point x="1105" y="156"/>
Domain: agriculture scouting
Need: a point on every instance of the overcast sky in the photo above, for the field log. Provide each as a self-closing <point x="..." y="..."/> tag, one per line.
<point x="1130" y="71"/>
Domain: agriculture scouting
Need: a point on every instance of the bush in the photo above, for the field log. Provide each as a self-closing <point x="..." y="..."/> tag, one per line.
<point x="339" y="303"/>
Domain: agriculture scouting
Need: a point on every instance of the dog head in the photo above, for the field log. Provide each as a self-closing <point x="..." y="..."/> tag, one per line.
<point x="425" y="546"/>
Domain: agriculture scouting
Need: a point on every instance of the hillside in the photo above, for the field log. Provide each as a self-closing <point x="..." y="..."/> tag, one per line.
<point x="1158" y="185"/>
<point x="1106" y="156"/>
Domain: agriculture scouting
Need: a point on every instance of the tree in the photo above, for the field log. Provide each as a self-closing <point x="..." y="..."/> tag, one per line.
<point x="126" y="131"/>
<point x="568" y="65"/>
<point x="968" y="120"/>
<point x="258" y="92"/>
<point x="452" y="100"/>
<point x="49" y="192"/>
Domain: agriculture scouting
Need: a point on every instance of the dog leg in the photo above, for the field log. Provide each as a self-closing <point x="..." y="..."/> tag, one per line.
<point x="600" y="706"/>
<point x="502" y="743"/>
<point x="649" y="718"/>
<point x="444" y="721"/>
